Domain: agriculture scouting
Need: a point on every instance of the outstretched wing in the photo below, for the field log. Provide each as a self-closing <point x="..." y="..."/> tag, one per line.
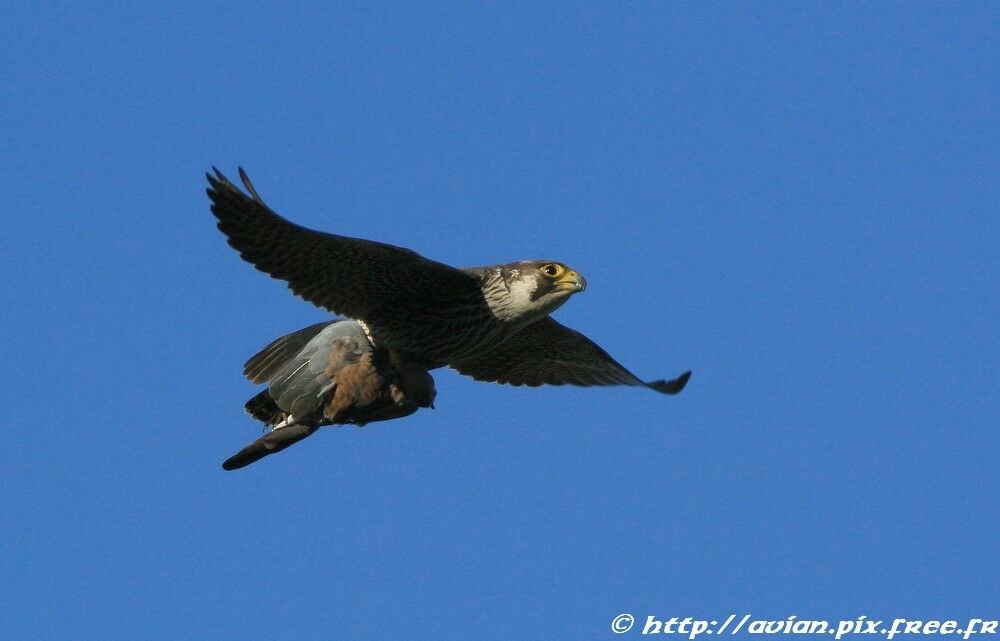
<point x="357" y="278"/>
<point x="548" y="353"/>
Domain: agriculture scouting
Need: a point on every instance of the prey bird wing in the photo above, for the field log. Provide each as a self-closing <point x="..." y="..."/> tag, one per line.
<point x="549" y="353"/>
<point x="353" y="277"/>
<point x="263" y="365"/>
<point x="327" y="374"/>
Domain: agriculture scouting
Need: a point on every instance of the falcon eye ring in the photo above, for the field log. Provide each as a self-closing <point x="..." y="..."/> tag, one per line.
<point x="552" y="270"/>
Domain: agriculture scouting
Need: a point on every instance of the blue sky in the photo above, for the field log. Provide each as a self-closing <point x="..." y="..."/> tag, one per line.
<point x="796" y="201"/>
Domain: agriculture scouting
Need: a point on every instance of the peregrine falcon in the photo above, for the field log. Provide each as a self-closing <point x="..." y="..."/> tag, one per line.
<point x="491" y="323"/>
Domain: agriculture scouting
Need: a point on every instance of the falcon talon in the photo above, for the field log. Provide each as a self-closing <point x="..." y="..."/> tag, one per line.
<point x="368" y="332"/>
<point x="491" y="323"/>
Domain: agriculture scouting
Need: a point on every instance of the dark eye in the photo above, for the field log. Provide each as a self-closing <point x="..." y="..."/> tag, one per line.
<point x="551" y="270"/>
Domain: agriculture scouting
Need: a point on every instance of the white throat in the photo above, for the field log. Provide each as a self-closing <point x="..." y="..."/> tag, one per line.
<point x="518" y="307"/>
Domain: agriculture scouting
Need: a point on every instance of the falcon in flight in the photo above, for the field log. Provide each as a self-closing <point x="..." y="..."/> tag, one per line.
<point x="410" y="315"/>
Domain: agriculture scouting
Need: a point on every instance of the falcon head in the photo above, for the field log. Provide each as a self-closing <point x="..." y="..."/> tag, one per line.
<point x="554" y="281"/>
<point x="531" y="289"/>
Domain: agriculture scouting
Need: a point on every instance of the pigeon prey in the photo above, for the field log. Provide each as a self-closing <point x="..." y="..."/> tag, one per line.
<point x="327" y="374"/>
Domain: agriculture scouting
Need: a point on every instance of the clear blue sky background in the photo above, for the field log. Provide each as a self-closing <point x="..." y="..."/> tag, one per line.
<point x="797" y="201"/>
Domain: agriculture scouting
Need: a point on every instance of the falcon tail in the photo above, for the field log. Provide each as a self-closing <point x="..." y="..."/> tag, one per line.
<point x="268" y="444"/>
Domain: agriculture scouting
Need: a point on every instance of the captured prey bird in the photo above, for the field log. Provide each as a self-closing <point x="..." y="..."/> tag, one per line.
<point x="327" y="374"/>
<point x="415" y="314"/>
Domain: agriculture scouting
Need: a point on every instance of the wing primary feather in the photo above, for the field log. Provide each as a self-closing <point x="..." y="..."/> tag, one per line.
<point x="670" y="387"/>
<point x="249" y="186"/>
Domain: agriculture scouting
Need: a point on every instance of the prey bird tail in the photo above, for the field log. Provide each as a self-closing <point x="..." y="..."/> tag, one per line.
<point x="270" y="443"/>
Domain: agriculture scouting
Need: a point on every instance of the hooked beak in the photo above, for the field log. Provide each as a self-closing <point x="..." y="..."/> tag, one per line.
<point x="571" y="282"/>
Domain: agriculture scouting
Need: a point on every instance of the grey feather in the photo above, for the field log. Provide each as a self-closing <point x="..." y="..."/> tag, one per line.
<point x="328" y="374"/>
<point x="263" y="365"/>
<point x="298" y="387"/>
